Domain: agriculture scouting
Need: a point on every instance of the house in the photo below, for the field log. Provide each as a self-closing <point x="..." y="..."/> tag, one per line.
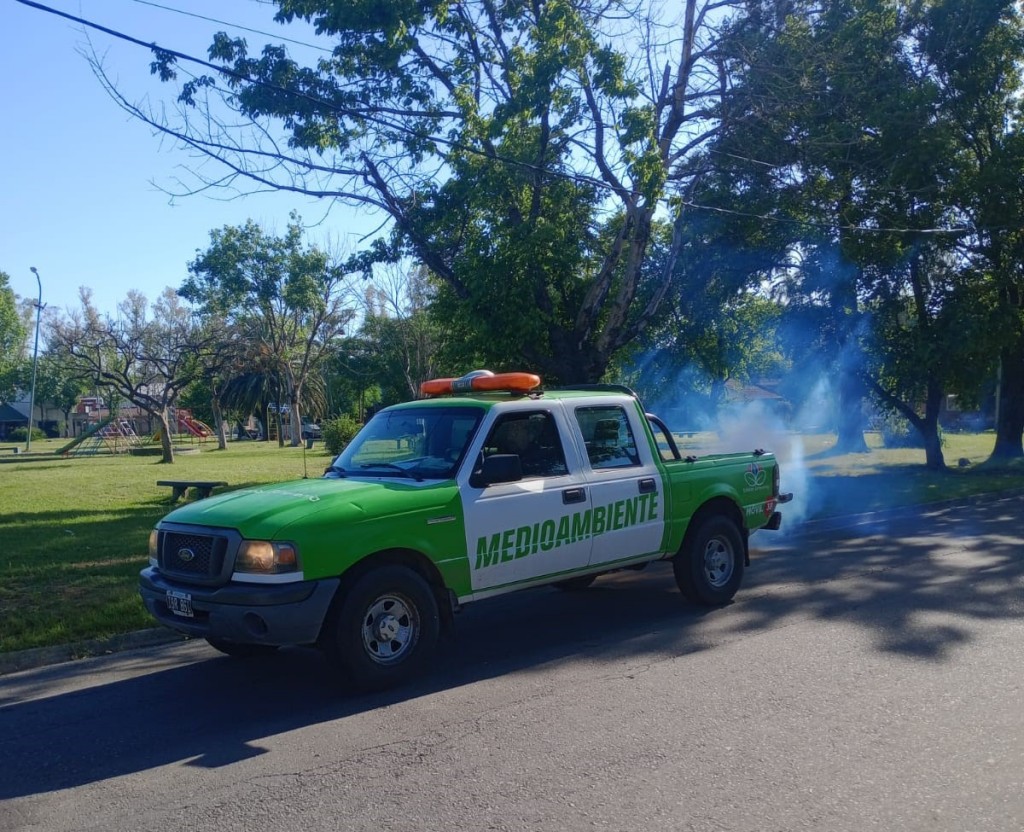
<point x="10" y="418"/>
<point x="14" y="414"/>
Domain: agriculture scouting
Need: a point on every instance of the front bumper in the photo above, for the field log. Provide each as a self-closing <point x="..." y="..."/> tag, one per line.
<point x="274" y="614"/>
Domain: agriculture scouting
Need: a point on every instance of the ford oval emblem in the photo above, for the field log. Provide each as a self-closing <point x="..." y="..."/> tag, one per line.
<point x="186" y="555"/>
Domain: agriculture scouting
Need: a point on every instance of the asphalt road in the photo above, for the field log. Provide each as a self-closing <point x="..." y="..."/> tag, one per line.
<point x="868" y="677"/>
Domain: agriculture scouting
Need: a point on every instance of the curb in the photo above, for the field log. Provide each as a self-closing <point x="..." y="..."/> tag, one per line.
<point x="58" y="654"/>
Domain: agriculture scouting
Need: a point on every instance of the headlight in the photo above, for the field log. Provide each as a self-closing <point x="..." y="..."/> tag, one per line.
<point x="266" y="557"/>
<point x="154" y="547"/>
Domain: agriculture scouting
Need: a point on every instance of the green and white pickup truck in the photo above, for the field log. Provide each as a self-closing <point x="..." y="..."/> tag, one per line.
<point x="451" y="499"/>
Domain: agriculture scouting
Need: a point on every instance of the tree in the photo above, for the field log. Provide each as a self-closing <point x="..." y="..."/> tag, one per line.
<point x="58" y="383"/>
<point x="208" y="396"/>
<point x="143" y="358"/>
<point x="843" y="107"/>
<point x="975" y="51"/>
<point x="926" y="342"/>
<point x="405" y="336"/>
<point x="817" y="94"/>
<point x="519" y="151"/>
<point x="720" y="326"/>
<point x="12" y="339"/>
<point x="289" y="302"/>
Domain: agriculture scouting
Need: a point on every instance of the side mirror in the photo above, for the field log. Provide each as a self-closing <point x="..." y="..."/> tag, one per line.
<point x="497" y="468"/>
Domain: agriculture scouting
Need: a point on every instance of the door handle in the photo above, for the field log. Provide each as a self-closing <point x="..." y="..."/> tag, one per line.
<point x="647" y="485"/>
<point x="574" y="495"/>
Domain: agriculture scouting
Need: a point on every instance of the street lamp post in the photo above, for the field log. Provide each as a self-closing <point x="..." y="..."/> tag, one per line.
<point x="35" y="360"/>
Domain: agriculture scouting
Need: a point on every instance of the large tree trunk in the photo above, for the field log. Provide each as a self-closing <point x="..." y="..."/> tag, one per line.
<point x="850" y="415"/>
<point x="934" y="460"/>
<point x="567" y="362"/>
<point x="165" y="435"/>
<point x="1010" y="412"/>
<point x="717" y="397"/>
<point x="218" y="420"/>
<point x="295" y="418"/>
<point x="929" y="429"/>
<point x="927" y="426"/>
<point x="278" y="418"/>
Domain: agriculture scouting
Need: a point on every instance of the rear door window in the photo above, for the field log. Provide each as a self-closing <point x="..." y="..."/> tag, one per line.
<point x="608" y="437"/>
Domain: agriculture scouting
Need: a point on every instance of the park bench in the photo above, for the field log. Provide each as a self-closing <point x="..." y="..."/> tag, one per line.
<point x="179" y="487"/>
<point x="10" y="449"/>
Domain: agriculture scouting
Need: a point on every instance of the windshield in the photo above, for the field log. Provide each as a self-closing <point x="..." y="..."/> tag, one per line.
<point x="417" y="443"/>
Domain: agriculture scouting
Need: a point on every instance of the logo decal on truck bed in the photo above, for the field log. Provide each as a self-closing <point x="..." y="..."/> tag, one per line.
<point x="755" y="475"/>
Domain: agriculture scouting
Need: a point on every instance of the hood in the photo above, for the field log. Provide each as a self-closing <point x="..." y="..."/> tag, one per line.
<point x="261" y="512"/>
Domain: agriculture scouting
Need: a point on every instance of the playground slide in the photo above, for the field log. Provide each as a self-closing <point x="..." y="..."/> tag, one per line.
<point x="87" y="435"/>
<point x="194" y="426"/>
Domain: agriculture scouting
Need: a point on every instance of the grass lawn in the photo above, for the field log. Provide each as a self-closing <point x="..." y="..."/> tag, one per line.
<point x="885" y="478"/>
<point x="73" y="532"/>
<point x="827" y="484"/>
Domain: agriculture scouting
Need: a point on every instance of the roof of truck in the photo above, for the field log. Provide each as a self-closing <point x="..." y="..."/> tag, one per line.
<point x="489" y="399"/>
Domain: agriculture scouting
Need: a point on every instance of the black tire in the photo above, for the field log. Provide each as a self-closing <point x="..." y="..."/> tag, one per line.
<point x="389" y="601"/>
<point x="575" y="584"/>
<point x="241" y="651"/>
<point x="709" y="567"/>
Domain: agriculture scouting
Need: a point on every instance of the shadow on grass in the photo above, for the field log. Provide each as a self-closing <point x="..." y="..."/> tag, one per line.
<point x="146" y="512"/>
<point x="38" y="541"/>
<point x="834" y="452"/>
<point x="830" y="494"/>
<point x="38" y="462"/>
<point x="919" y="583"/>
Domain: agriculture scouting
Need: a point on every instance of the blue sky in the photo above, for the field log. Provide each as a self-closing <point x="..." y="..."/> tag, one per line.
<point x="81" y="180"/>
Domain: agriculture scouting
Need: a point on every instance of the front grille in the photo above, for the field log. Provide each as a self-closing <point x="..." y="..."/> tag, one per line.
<point x="195" y="555"/>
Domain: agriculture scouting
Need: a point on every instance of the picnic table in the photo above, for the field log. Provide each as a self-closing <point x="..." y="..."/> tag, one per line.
<point x="179" y="487"/>
<point x="10" y="449"/>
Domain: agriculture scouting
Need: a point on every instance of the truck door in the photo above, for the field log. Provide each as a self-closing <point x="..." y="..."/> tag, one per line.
<point x="626" y="491"/>
<point x="526" y="530"/>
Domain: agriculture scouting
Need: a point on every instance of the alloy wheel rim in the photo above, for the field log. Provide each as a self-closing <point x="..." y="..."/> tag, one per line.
<point x="390" y="629"/>
<point x="719" y="562"/>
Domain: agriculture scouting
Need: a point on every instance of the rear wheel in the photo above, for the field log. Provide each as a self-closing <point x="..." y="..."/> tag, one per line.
<point x="709" y="569"/>
<point x="239" y="650"/>
<point x="385" y="628"/>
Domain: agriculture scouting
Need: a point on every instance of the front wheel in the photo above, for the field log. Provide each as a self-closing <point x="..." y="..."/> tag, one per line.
<point x="709" y="569"/>
<point x="385" y="629"/>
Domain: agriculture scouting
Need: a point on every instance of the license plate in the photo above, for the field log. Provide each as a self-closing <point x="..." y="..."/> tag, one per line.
<point x="180" y="603"/>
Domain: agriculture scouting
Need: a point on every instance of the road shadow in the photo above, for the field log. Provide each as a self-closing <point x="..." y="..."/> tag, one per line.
<point x="904" y="579"/>
<point x="912" y="577"/>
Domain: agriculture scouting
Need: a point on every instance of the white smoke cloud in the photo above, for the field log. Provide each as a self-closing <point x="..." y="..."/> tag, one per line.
<point x="753" y="426"/>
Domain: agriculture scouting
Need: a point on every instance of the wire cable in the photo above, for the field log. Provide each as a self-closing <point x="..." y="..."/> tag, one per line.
<point x="233" y="25"/>
<point x="368" y="115"/>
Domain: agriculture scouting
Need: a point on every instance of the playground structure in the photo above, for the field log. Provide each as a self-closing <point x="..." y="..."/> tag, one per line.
<point x="120" y="433"/>
<point x="109" y="435"/>
<point x="183" y="421"/>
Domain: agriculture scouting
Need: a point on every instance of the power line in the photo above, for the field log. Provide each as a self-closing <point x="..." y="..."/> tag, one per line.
<point x="369" y="115"/>
<point x="825" y="225"/>
<point x="233" y="25"/>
